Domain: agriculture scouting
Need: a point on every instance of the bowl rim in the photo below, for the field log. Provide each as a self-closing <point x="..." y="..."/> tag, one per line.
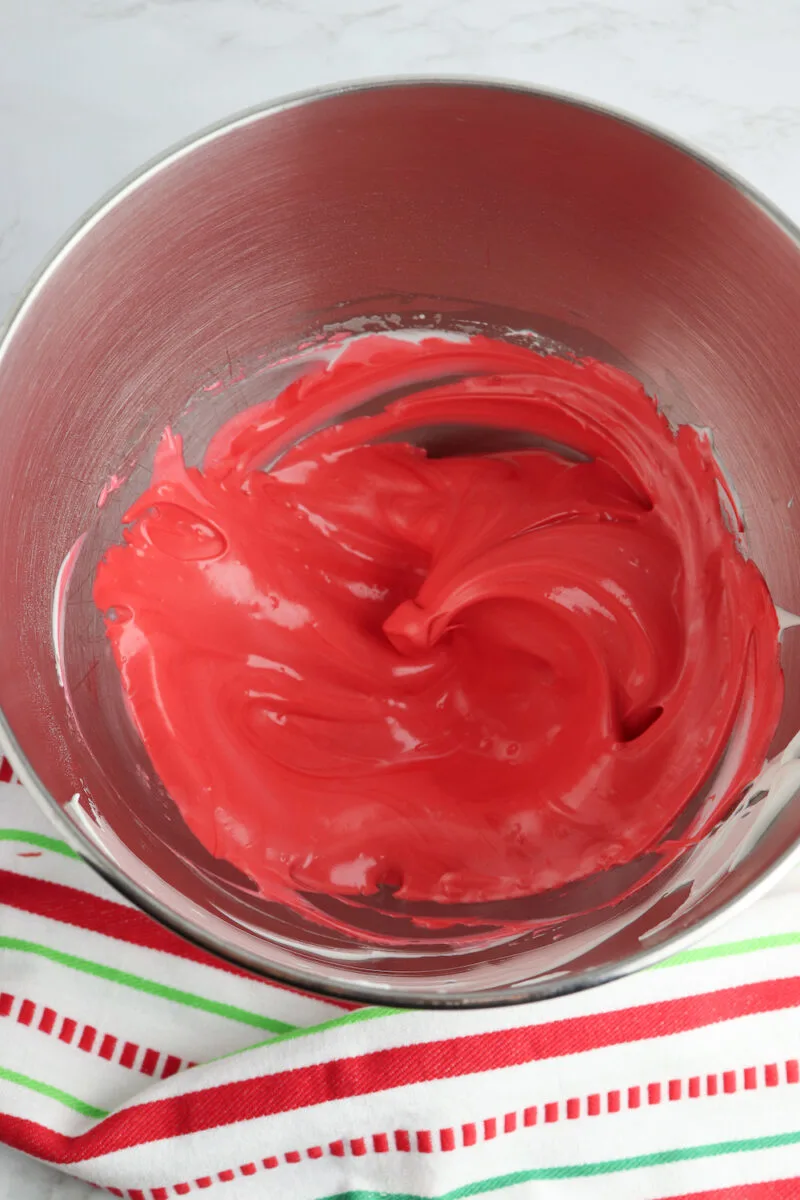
<point x="366" y="992"/>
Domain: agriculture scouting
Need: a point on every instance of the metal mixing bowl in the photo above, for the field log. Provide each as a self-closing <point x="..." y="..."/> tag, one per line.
<point x="446" y="201"/>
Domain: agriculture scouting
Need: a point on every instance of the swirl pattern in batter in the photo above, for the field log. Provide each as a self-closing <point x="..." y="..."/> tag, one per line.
<point x="460" y="678"/>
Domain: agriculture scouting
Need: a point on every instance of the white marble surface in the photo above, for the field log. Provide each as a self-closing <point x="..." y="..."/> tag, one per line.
<point x="90" y="88"/>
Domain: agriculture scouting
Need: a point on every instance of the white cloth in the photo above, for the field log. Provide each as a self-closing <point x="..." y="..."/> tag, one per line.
<point x="682" y="1080"/>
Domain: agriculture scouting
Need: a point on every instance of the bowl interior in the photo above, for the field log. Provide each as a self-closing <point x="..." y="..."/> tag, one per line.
<point x="423" y="204"/>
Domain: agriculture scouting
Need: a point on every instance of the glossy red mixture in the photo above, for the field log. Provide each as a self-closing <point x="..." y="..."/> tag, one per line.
<point x="463" y="678"/>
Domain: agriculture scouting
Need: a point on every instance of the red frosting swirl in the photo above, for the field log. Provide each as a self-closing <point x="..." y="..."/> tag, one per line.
<point x="461" y="678"/>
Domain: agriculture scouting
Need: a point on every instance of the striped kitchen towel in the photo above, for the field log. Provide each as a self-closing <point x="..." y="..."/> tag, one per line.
<point x="141" y="1065"/>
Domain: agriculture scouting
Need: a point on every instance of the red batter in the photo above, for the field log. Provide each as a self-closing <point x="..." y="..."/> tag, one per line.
<point x="466" y="678"/>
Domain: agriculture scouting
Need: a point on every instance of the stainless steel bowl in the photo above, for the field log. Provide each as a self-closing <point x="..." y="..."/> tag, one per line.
<point x="470" y="201"/>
